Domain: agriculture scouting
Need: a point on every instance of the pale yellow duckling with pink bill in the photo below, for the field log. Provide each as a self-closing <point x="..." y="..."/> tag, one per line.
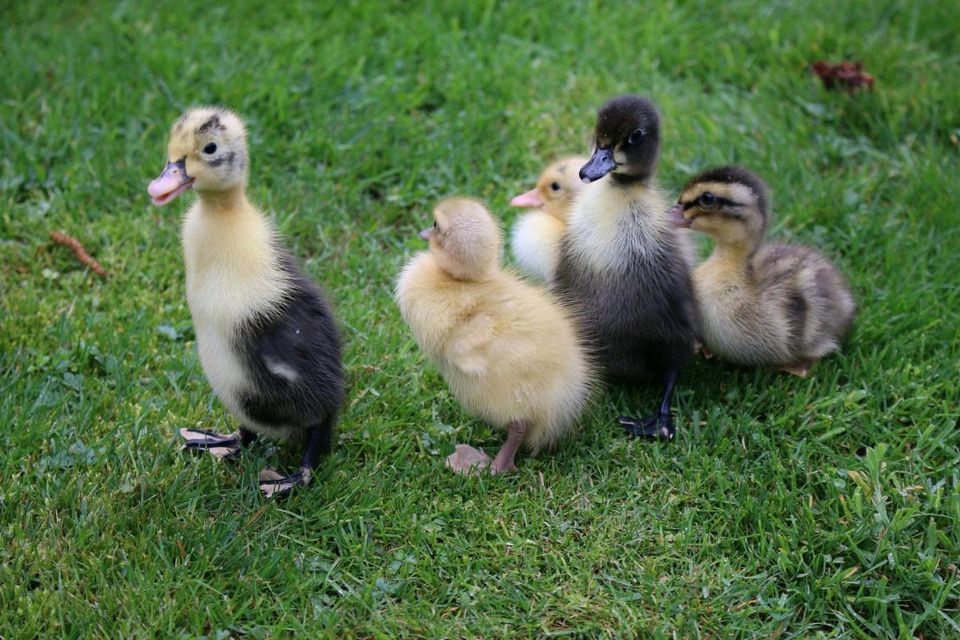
<point x="536" y="236"/>
<point x="508" y="351"/>
<point x="771" y="305"/>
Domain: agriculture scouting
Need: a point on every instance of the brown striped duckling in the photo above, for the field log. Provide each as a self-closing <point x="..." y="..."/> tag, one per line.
<point x="772" y="305"/>
<point x="535" y="239"/>
<point x="267" y="339"/>
<point x="508" y="351"/>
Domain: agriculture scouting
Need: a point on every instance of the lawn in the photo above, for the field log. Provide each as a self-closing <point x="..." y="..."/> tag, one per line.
<point x="786" y="507"/>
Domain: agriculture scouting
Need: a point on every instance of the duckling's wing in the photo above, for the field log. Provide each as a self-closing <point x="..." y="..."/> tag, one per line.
<point x="470" y="347"/>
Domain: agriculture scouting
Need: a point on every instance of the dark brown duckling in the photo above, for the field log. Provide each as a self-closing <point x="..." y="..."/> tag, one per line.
<point x="623" y="264"/>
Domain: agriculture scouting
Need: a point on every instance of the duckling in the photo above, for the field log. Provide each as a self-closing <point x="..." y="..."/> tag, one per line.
<point x="775" y="305"/>
<point x="625" y="266"/>
<point x="507" y="350"/>
<point x="267" y="339"/>
<point x="536" y="236"/>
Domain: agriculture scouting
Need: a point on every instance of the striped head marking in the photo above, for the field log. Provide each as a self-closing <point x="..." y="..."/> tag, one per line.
<point x="207" y="152"/>
<point x="729" y="203"/>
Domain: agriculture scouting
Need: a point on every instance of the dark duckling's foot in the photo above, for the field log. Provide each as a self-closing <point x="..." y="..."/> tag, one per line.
<point x="224" y="447"/>
<point x="274" y="485"/>
<point x="659" y="425"/>
<point x="699" y="347"/>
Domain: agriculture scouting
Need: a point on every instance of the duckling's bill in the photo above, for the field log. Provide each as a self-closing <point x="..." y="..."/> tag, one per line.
<point x="676" y="217"/>
<point x="171" y="183"/>
<point x="600" y="164"/>
<point x="529" y="200"/>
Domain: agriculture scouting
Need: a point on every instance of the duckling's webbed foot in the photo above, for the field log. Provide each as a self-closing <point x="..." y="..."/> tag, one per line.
<point x="800" y="369"/>
<point x="274" y="485"/>
<point x="660" y="424"/>
<point x="224" y="447"/>
<point x="655" y="426"/>
<point x="467" y="460"/>
<point x="319" y="441"/>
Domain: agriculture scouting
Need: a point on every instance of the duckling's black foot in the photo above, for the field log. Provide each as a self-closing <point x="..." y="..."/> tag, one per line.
<point x="659" y="425"/>
<point x="222" y="446"/>
<point x="274" y="485"/>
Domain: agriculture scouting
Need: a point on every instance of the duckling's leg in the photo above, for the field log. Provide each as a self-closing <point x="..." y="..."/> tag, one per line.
<point x="319" y="442"/>
<point x="660" y="424"/>
<point x="468" y="460"/>
<point x="225" y="447"/>
<point x="516" y="431"/>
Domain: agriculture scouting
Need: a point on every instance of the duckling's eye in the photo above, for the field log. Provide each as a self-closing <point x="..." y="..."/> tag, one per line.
<point x="210" y="148"/>
<point x="435" y="225"/>
<point x="636" y="137"/>
<point x="554" y="186"/>
<point x="708" y="200"/>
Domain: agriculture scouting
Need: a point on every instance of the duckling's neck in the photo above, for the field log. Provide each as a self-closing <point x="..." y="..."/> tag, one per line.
<point x="628" y="180"/>
<point x="612" y="225"/>
<point x="224" y="202"/>
<point x="224" y="233"/>
<point x="734" y="257"/>
<point x="464" y="274"/>
<point x="559" y="209"/>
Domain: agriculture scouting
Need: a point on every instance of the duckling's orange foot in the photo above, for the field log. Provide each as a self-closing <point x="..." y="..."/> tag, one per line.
<point x="274" y="485"/>
<point x="466" y="460"/>
<point x="659" y="425"/>
<point x="224" y="447"/>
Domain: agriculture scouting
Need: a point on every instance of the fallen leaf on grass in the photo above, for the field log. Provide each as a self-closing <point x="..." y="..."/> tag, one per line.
<point x="843" y="75"/>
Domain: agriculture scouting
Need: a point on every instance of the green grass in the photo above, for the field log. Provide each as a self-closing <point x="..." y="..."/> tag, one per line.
<point x="785" y="508"/>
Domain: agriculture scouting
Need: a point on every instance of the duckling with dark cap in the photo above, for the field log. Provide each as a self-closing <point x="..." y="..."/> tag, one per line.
<point x="625" y="267"/>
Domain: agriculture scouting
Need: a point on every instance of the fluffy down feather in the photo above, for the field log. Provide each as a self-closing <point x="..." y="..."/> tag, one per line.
<point x="507" y="350"/>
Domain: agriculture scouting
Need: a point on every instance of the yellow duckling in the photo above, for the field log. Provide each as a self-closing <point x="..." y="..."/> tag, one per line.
<point x="507" y="350"/>
<point x="267" y="339"/>
<point x="774" y="305"/>
<point x="536" y="236"/>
